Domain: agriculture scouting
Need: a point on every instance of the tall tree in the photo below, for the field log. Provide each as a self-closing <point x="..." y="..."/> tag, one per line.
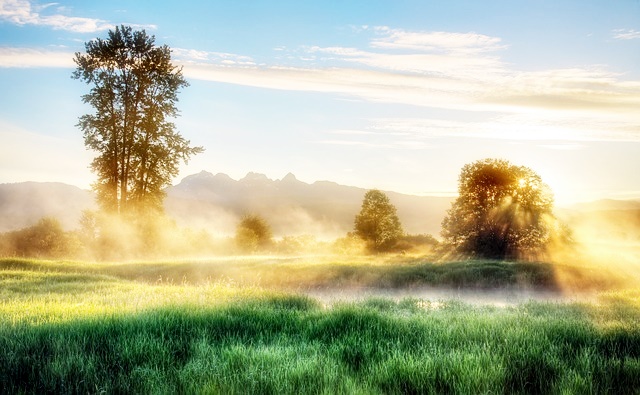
<point x="377" y="223"/>
<point x="134" y="95"/>
<point x="502" y="211"/>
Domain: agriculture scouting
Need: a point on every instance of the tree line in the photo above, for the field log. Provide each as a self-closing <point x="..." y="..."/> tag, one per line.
<point x="502" y="211"/>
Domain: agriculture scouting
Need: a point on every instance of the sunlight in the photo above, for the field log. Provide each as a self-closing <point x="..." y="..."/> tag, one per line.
<point x="522" y="183"/>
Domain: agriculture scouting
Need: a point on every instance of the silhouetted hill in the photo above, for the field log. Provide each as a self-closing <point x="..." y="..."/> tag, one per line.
<point x="23" y="204"/>
<point x="291" y="206"/>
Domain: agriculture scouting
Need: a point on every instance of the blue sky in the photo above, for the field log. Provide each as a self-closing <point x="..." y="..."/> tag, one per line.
<point x="396" y="95"/>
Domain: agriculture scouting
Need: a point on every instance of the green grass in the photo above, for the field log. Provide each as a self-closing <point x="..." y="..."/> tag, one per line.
<point x="74" y="328"/>
<point x="390" y="272"/>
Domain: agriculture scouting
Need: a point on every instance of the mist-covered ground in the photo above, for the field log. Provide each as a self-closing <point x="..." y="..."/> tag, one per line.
<point x="573" y="274"/>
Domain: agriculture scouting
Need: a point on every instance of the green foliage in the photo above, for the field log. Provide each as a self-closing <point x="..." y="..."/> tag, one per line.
<point x="377" y="223"/>
<point x="502" y="211"/>
<point x="106" y="237"/>
<point x="134" y="92"/>
<point x="253" y="234"/>
<point x="303" y="244"/>
<point x="45" y="239"/>
<point x="349" y="245"/>
<point x="420" y="243"/>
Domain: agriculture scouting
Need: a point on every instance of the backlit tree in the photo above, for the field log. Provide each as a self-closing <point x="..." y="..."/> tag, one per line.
<point x="133" y="93"/>
<point x="502" y="211"/>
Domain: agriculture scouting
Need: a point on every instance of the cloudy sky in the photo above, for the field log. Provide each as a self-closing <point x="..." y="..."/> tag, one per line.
<point x="396" y="95"/>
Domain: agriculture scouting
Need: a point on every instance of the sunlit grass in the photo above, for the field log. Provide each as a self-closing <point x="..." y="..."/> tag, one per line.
<point x="37" y="297"/>
<point x="71" y="327"/>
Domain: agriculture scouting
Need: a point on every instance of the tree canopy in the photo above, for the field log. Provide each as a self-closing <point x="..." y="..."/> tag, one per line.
<point x="253" y="233"/>
<point x="502" y="211"/>
<point x="133" y="93"/>
<point x="45" y="239"/>
<point x="377" y="223"/>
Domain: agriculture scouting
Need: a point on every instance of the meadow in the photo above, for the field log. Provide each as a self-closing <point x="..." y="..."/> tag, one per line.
<point x="274" y="325"/>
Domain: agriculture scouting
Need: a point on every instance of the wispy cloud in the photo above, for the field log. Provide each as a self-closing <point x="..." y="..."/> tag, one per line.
<point x="31" y="57"/>
<point x="556" y="127"/>
<point x="503" y="90"/>
<point x="445" y="42"/>
<point x="554" y="131"/>
<point x="26" y="12"/>
<point x="458" y="71"/>
<point x="563" y="147"/>
<point x="626" y="34"/>
<point x="221" y="58"/>
<point x="453" y="71"/>
<point x="435" y="64"/>
<point x="576" y="89"/>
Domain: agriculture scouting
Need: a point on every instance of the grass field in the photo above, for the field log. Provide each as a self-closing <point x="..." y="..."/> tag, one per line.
<point x="244" y="325"/>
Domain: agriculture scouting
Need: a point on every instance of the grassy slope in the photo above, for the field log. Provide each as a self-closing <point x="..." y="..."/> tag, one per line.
<point x="68" y="327"/>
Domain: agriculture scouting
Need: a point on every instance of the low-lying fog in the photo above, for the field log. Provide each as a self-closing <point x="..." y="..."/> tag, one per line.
<point x="436" y="296"/>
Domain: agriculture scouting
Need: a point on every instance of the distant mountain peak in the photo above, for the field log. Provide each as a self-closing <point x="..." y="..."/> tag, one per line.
<point x="290" y="206"/>
<point x="203" y="175"/>
<point x="290" y="177"/>
<point x="223" y="177"/>
<point x="251" y="176"/>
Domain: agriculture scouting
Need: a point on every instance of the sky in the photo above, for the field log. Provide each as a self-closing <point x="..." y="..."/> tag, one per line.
<point x="395" y="95"/>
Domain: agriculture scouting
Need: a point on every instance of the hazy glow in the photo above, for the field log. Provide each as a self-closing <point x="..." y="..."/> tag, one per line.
<point x="40" y="165"/>
<point x="374" y="99"/>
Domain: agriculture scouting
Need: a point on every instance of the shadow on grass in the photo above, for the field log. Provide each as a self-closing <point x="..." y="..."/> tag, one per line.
<point x="304" y="273"/>
<point x="474" y="275"/>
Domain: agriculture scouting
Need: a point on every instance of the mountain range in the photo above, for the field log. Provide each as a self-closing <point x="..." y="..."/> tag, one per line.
<point x="291" y="207"/>
<point x="216" y="203"/>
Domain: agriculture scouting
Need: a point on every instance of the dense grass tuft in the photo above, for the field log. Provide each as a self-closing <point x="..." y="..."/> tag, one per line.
<point x="291" y="345"/>
<point x="75" y="331"/>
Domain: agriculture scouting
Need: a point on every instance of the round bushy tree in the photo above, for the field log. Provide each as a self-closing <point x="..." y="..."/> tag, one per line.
<point x="377" y="223"/>
<point x="253" y="233"/>
<point x="502" y="211"/>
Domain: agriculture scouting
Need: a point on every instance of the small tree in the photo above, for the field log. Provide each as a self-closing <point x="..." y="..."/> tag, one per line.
<point x="502" y="211"/>
<point x="253" y="233"/>
<point x="377" y="223"/>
